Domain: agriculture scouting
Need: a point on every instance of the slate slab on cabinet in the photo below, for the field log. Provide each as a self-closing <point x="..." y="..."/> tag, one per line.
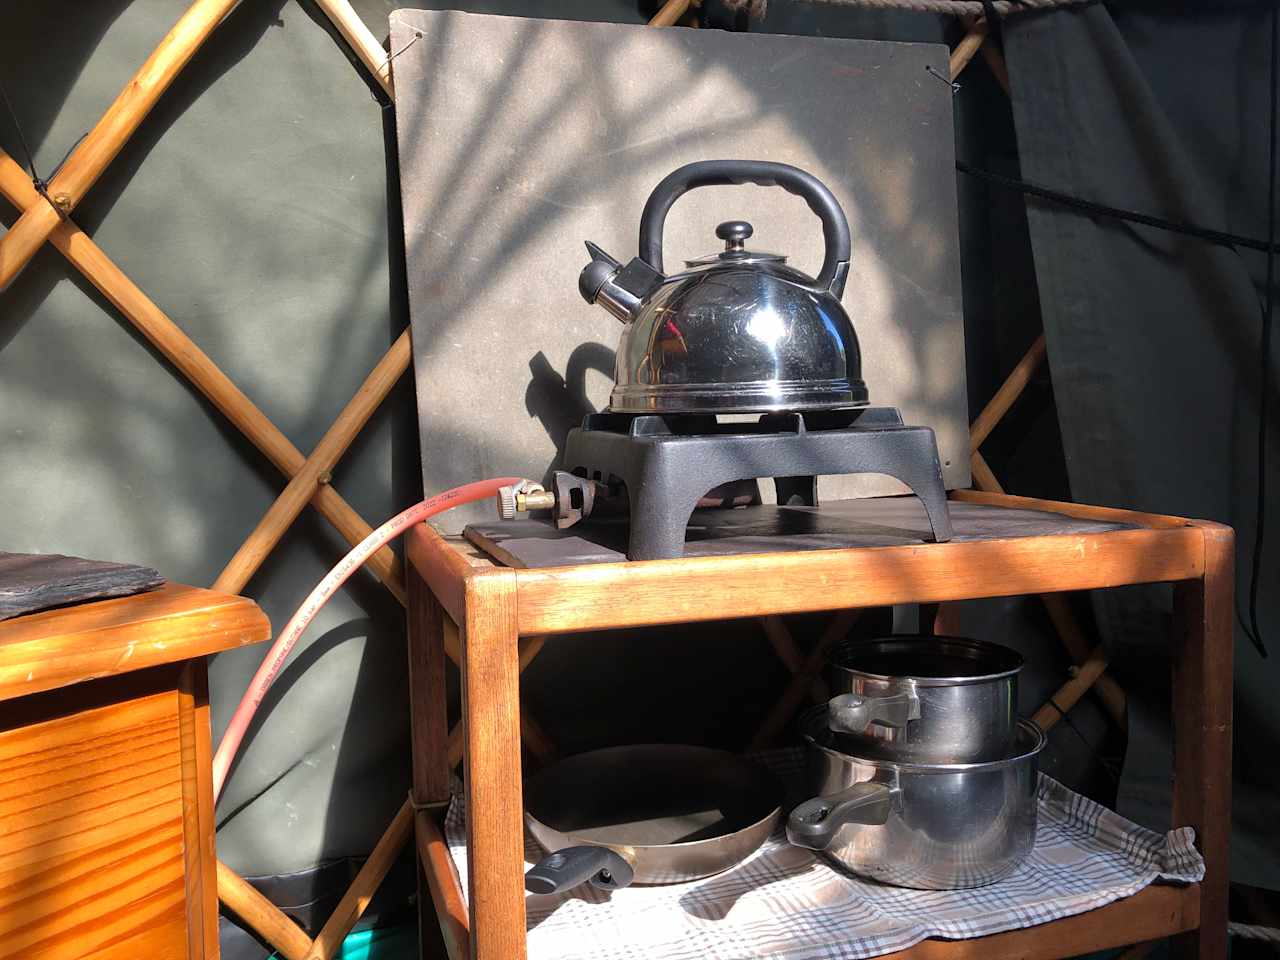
<point x="520" y="138"/>
<point x="37" y="581"/>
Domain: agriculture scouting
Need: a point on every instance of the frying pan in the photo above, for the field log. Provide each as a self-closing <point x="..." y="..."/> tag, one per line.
<point x="651" y="813"/>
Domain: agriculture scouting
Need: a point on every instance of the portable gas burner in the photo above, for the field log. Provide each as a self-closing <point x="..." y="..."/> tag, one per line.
<point x="738" y="332"/>
<point x="667" y="464"/>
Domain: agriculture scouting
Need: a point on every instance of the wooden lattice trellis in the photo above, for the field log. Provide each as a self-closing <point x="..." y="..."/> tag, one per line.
<point x="46" y="217"/>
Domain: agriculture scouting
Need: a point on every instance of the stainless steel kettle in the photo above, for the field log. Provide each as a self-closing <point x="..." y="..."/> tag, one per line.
<point x="738" y="331"/>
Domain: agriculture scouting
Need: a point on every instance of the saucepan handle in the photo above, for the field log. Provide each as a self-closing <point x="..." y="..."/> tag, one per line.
<point x="854" y="712"/>
<point x="706" y="173"/>
<point x="604" y="867"/>
<point x="815" y="822"/>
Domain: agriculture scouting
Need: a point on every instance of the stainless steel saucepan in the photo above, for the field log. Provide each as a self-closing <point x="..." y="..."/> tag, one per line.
<point x="924" y="699"/>
<point x="652" y="813"/>
<point x="929" y="826"/>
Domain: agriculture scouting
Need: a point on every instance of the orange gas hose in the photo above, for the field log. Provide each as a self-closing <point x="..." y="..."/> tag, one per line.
<point x="280" y="650"/>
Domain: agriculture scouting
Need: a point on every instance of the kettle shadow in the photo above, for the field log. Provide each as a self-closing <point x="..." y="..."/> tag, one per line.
<point x="560" y="403"/>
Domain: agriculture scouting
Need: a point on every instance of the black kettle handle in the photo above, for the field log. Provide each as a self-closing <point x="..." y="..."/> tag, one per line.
<point x="706" y="173"/>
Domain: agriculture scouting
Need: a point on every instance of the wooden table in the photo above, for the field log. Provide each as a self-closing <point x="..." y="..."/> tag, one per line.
<point x="106" y="790"/>
<point x="453" y="587"/>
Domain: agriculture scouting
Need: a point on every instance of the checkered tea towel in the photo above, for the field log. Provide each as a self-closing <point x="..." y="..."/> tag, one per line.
<point x="783" y="903"/>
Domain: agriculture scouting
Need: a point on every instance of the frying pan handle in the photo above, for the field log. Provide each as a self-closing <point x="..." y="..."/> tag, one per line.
<point x="814" y="823"/>
<point x="605" y="868"/>
<point x="704" y="173"/>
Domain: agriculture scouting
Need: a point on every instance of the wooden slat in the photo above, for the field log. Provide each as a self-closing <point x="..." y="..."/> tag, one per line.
<point x="261" y="915"/>
<point x="670" y="12"/>
<point x="328" y="943"/>
<point x="784" y="645"/>
<point x="1073" y="639"/>
<point x="1157" y="911"/>
<point x="194" y="364"/>
<point x="73" y="644"/>
<point x="445" y="887"/>
<point x="361" y="40"/>
<point x="495" y="816"/>
<point x="1203" y="677"/>
<point x="713" y="588"/>
<point x="784" y="710"/>
<point x="110" y="133"/>
<point x="1059" y="609"/>
<point x="1007" y="395"/>
<point x="1069" y="694"/>
<point x="302" y="488"/>
<point x="967" y="47"/>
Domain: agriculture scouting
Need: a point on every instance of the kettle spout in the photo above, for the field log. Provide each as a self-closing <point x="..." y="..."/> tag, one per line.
<point x="619" y="290"/>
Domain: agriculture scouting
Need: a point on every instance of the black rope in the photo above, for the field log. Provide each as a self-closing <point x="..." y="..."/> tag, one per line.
<point x="22" y="137"/>
<point x="1093" y="752"/>
<point x="1234" y="241"/>
<point x="40" y="183"/>
<point x="1218" y="237"/>
<point x="1254" y="631"/>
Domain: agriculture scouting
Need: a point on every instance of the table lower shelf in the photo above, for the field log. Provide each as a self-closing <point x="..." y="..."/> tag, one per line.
<point x="1161" y="910"/>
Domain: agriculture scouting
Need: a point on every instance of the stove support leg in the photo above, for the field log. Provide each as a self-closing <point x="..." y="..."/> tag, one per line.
<point x="935" y="505"/>
<point x="796" y="491"/>
<point x="657" y="530"/>
<point x="914" y="461"/>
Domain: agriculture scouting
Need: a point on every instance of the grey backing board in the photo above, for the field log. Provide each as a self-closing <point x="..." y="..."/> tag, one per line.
<point x="520" y="138"/>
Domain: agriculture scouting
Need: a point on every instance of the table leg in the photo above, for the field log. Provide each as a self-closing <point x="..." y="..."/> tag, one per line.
<point x="1202" y="683"/>
<point x="428" y="723"/>
<point x="491" y="761"/>
<point x="428" y="697"/>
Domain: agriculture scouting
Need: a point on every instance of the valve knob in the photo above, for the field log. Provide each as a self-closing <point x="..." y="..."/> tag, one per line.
<point x="506" y="501"/>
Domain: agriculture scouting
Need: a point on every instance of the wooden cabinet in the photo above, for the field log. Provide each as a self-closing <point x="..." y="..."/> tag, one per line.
<point x="106" y="797"/>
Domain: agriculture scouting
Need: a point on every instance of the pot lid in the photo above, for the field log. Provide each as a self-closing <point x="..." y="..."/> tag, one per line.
<point x="735" y="233"/>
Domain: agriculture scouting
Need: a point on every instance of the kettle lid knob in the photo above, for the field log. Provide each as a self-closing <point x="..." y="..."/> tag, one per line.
<point x="734" y="233"/>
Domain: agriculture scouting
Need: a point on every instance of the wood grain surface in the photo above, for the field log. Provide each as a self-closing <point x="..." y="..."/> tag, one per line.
<point x="198" y="826"/>
<point x="92" y="850"/>
<point x="1203" y="673"/>
<point x="74" y="644"/>
<point x="444" y="886"/>
<point x="717" y="588"/>
<point x="1157" y="911"/>
<point x="495" y="821"/>
<point x="243" y="900"/>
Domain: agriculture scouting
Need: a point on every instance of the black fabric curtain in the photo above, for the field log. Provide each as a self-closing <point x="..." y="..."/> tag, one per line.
<point x="1154" y="337"/>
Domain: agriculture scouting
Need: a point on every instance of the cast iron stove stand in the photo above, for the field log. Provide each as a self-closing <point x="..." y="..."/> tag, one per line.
<point x="668" y="463"/>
